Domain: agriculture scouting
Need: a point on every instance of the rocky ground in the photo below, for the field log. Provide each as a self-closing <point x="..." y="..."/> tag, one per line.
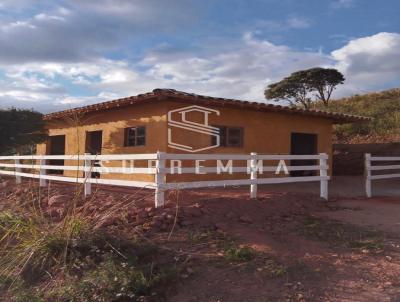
<point x="280" y="247"/>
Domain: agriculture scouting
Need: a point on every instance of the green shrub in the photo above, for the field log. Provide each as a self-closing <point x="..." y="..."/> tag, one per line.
<point x="240" y="254"/>
<point x="116" y="280"/>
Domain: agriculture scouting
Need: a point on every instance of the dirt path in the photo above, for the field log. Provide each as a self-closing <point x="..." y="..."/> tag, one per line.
<point x="380" y="213"/>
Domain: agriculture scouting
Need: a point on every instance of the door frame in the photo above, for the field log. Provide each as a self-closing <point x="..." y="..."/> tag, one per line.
<point x="88" y="140"/>
<point x="310" y="162"/>
<point x="96" y="163"/>
<point x="49" y="151"/>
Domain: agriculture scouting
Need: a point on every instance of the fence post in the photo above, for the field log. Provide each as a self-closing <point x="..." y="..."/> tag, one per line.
<point x="253" y="174"/>
<point x="88" y="175"/>
<point x="18" y="179"/>
<point x="42" y="172"/>
<point x="160" y="180"/>
<point x="323" y="173"/>
<point x="367" y="173"/>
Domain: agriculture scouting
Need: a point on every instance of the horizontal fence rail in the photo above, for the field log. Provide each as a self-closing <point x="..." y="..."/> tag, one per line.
<point x="160" y="165"/>
<point x="370" y="167"/>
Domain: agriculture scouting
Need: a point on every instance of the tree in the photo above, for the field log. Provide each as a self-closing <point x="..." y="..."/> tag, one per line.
<point x="290" y="89"/>
<point x="323" y="81"/>
<point x="19" y="129"/>
<point x="300" y="85"/>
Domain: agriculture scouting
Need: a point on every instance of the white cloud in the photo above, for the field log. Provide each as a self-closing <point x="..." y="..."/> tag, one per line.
<point x="51" y="37"/>
<point x="78" y="101"/>
<point x="76" y="31"/>
<point x="29" y="91"/>
<point x="337" y="4"/>
<point x="377" y="53"/>
<point x="15" y="4"/>
<point x="290" y="23"/>
<point x="369" y="62"/>
<point x="241" y="71"/>
<point x="298" y="22"/>
<point x="119" y="75"/>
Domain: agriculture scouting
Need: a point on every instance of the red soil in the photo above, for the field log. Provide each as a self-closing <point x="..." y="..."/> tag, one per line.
<point x="315" y="269"/>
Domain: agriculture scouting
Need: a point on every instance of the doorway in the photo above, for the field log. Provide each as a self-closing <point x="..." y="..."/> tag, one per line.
<point x="93" y="145"/>
<point x="94" y="142"/>
<point x="56" y="147"/>
<point x="303" y="144"/>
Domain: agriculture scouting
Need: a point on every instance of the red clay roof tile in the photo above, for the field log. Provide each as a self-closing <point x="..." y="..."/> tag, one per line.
<point x="158" y="94"/>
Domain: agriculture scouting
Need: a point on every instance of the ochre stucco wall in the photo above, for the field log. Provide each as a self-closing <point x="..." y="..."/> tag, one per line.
<point x="264" y="133"/>
<point x="113" y="123"/>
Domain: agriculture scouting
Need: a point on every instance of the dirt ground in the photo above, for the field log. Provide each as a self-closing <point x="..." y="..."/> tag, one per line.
<point x="381" y="213"/>
<point x="319" y="268"/>
<point x="343" y="186"/>
<point x="307" y="249"/>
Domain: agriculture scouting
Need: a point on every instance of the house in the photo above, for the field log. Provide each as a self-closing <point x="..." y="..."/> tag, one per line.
<point x="177" y="122"/>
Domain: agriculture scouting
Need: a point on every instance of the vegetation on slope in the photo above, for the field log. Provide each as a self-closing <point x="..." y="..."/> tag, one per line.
<point x="384" y="109"/>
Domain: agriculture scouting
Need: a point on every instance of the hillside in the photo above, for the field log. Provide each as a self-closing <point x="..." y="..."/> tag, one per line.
<point x="383" y="107"/>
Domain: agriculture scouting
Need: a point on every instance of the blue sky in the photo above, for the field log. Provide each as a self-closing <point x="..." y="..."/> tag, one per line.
<point x="60" y="54"/>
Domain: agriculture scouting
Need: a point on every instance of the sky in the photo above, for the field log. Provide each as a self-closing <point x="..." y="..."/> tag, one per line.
<point x="57" y="54"/>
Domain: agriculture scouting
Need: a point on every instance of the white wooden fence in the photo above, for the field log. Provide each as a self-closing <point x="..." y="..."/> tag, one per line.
<point x="159" y="168"/>
<point x="369" y="167"/>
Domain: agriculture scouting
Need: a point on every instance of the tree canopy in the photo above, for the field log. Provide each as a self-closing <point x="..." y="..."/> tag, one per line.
<point x="20" y="128"/>
<point x="301" y="86"/>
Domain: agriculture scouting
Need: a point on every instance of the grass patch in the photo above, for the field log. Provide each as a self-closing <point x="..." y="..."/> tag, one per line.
<point x="231" y="250"/>
<point x="17" y="291"/>
<point x="22" y="294"/>
<point x="274" y="269"/>
<point x="239" y="254"/>
<point x="221" y="238"/>
<point x="346" y="235"/>
<point x="30" y="245"/>
<point x="72" y="260"/>
<point x="116" y="280"/>
<point x="245" y="258"/>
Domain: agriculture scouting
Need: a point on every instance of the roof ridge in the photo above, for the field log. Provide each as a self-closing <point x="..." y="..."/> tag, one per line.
<point x="160" y="90"/>
<point x="169" y="92"/>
